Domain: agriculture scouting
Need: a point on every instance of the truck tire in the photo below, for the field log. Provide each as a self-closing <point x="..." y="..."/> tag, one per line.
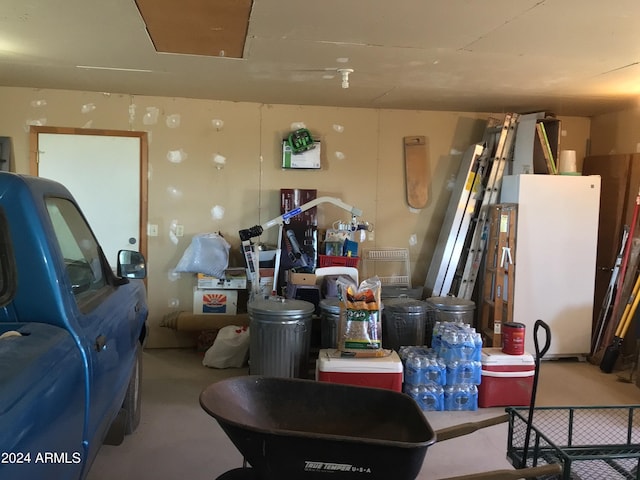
<point x="133" y="398"/>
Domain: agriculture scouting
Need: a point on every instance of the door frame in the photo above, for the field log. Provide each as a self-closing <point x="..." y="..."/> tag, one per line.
<point x="34" y="153"/>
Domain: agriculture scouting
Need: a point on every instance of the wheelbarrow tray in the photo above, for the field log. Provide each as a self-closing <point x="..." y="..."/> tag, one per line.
<point x="295" y="428"/>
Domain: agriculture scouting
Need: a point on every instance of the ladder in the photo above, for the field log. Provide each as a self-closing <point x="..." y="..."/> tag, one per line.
<point x="502" y="152"/>
<point x="462" y="205"/>
<point x="496" y="300"/>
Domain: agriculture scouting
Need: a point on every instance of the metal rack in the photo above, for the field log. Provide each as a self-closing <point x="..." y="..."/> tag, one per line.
<point x="390" y="265"/>
<point x="600" y="442"/>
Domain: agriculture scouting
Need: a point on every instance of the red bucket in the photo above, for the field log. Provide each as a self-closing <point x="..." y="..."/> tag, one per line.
<point x="513" y="338"/>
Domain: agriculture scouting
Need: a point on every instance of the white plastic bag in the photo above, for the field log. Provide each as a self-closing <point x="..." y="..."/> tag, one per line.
<point x="230" y="349"/>
<point x="208" y="253"/>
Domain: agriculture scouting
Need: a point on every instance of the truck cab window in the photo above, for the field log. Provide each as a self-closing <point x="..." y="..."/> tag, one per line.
<point x="7" y="266"/>
<point x="79" y="248"/>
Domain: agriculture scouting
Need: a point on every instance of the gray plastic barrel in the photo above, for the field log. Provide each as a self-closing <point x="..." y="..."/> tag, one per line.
<point x="329" y="322"/>
<point x="453" y="309"/>
<point x="280" y="337"/>
<point x="405" y="321"/>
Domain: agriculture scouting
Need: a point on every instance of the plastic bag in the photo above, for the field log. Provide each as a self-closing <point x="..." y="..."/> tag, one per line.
<point x="208" y="253"/>
<point x="230" y="349"/>
<point x="329" y="285"/>
<point x="360" y="322"/>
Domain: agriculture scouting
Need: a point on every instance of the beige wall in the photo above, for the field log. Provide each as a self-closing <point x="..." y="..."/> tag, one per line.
<point x="616" y="133"/>
<point x="362" y="158"/>
<point x="575" y="135"/>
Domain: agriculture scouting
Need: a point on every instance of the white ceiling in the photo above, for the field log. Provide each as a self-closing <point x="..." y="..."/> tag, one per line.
<point x="571" y="57"/>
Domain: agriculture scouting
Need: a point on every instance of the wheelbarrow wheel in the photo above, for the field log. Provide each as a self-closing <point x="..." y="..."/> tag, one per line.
<point x="239" y="474"/>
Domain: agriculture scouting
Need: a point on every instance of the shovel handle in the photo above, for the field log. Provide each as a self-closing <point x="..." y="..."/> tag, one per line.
<point x="547" y="340"/>
<point x="532" y="472"/>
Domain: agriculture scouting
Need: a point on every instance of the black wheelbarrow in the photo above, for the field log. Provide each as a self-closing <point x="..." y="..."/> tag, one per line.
<point x="288" y="428"/>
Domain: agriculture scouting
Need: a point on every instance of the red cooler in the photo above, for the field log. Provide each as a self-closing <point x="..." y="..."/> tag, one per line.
<point x="507" y="380"/>
<point x="379" y="372"/>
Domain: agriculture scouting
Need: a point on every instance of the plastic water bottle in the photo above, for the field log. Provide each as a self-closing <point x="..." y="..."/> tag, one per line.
<point x="461" y="398"/>
<point x="413" y="391"/>
<point x="413" y="370"/>
<point x="431" y="397"/>
<point x="464" y="372"/>
<point x="467" y="346"/>
<point x="435" y="371"/>
<point x="436" y="336"/>
<point x="477" y="340"/>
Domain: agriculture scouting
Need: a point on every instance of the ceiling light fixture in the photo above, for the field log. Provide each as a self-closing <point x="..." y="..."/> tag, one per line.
<point x="345" y="76"/>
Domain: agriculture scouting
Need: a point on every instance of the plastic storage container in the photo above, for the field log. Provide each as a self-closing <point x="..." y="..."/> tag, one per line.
<point x="329" y="322"/>
<point x="280" y="337"/>
<point x="404" y="322"/>
<point x="453" y="309"/>
<point x="377" y="372"/>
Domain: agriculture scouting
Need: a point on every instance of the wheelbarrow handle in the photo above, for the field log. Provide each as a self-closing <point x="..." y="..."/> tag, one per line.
<point x="547" y="340"/>
<point x="531" y="472"/>
<point x="469" y="427"/>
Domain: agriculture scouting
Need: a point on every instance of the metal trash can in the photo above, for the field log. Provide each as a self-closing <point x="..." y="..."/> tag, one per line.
<point x="280" y="337"/>
<point x="453" y="309"/>
<point x="405" y="321"/>
<point x="329" y="322"/>
<point x="394" y="291"/>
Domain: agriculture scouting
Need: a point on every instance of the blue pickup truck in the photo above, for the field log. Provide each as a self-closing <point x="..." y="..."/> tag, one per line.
<point x="71" y="335"/>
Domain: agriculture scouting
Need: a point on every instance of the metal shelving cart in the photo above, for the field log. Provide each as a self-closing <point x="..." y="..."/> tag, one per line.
<point x="601" y="442"/>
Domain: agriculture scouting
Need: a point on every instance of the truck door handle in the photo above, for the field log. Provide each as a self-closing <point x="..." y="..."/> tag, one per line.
<point x="101" y="343"/>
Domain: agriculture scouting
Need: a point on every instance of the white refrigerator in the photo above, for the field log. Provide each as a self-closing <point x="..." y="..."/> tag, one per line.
<point x="555" y="257"/>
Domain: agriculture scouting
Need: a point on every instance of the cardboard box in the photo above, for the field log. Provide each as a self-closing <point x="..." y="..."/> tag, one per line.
<point x="507" y="380"/>
<point x="302" y="278"/>
<point x="235" y="279"/>
<point x="377" y="372"/>
<point x="307" y="159"/>
<point x="266" y="274"/>
<point x="214" y="301"/>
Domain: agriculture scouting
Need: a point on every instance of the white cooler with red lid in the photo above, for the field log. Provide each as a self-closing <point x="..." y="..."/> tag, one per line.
<point x="507" y="380"/>
<point x="378" y="372"/>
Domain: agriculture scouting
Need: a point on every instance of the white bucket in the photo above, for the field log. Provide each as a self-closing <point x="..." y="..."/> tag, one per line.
<point x="567" y="163"/>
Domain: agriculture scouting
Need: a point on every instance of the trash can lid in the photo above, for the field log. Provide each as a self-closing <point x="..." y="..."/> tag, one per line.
<point x="452" y="303"/>
<point x="330" y="304"/>
<point x="280" y="306"/>
<point x="393" y="291"/>
<point x="406" y="304"/>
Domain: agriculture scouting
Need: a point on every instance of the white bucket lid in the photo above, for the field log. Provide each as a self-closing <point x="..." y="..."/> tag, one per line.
<point x="330" y="360"/>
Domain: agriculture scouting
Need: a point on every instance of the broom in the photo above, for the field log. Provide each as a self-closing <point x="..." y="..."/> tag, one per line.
<point x="612" y="352"/>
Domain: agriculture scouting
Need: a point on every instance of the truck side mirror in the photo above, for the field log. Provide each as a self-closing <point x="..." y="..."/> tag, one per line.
<point x="131" y="264"/>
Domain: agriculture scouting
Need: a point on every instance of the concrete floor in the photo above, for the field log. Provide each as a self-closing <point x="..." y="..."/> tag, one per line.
<point x="177" y="440"/>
